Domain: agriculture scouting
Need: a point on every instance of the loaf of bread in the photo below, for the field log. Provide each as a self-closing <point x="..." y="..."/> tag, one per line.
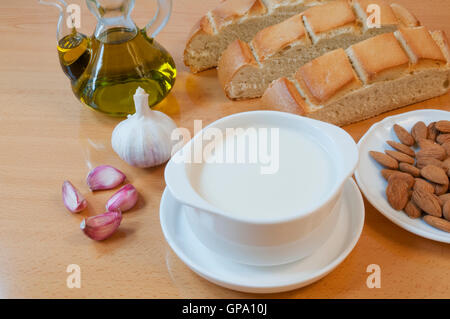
<point x="235" y="19"/>
<point x="374" y="76"/>
<point x="246" y="69"/>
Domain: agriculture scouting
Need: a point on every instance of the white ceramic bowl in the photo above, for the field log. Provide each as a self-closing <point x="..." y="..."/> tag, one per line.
<point x="277" y="240"/>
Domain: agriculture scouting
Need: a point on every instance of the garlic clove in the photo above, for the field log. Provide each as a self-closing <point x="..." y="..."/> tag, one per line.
<point x="101" y="226"/>
<point x="104" y="177"/>
<point x="124" y="199"/>
<point x="72" y="198"/>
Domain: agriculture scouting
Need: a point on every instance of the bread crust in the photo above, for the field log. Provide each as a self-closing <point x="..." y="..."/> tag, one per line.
<point x="319" y="19"/>
<point x="232" y="10"/>
<point x="442" y="40"/>
<point x="326" y="76"/>
<point x="274" y="4"/>
<point x="379" y="56"/>
<point x="202" y="27"/>
<point x="272" y="39"/>
<point x="421" y="45"/>
<point x="283" y="95"/>
<point x="405" y="17"/>
<point x="236" y="56"/>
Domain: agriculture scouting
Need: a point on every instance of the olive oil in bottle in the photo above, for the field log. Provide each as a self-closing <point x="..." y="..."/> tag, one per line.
<point x="73" y="54"/>
<point x="121" y="61"/>
<point x="106" y="69"/>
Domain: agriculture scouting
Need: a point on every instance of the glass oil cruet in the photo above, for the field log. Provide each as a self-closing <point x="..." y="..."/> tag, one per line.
<point x="106" y="69"/>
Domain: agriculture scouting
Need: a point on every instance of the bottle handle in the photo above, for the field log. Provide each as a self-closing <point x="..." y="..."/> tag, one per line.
<point x="160" y="19"/>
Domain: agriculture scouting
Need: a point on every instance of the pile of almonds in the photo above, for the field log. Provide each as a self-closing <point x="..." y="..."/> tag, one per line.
<point x="418" y="182"/>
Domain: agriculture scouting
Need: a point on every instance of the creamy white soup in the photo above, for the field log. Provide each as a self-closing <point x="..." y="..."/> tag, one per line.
<point x="303" y="176"/>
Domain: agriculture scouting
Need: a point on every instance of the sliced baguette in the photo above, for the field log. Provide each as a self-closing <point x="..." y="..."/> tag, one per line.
<point x="405" y="16"/>
<point x="371" y="77"/>
<point x="279" y="50"/>
<point x="235" y="19"/>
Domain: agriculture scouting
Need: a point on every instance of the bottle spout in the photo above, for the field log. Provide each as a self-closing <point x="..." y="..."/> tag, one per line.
<point x="73" y="46"/>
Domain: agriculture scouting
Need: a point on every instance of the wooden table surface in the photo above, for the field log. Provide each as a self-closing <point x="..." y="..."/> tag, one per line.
<point x="47" y="136"/>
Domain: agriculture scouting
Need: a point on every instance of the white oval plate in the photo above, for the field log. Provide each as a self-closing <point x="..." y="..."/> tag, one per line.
<point x="254" y="279"/>
<point x="373" y="185"/>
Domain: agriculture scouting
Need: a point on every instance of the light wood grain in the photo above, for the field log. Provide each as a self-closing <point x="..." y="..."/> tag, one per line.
<point x="46" y="136"/>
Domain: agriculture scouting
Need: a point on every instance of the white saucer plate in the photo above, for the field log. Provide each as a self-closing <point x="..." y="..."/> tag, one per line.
<point x="373" y="185"/>
<point x="254" y="279"/>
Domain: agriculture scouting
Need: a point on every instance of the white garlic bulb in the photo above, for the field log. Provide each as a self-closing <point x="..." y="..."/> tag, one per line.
<point x="144" y="138"/>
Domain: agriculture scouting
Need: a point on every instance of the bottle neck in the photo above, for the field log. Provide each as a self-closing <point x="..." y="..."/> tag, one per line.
<point x="125" y="29"/>
<point x="113" y="15"/>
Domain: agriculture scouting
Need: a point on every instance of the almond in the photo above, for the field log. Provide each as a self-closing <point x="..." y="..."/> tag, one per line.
<point x="442" y="138"/>
<point x="419" y="131"/>
<point x="423" y="143"/>
<point x="443" y="126"/>
<point x="427" y="202"/>
<point x="446" y="165"/>
<point x="444" y="197"/>
<point x="440" y="201"/>
<point x="412" y="210"/>
<point x="432" y="151"/>
<point x="432" y="131"/>
<point x="434" y="174"/>
<point x="397" y="193"/>
<point x="401" y="157"/>
<point x="446" y="147"/>
<point x="408" y="179"/>
<point x="403" y="135"/>
<point x="439" y="223"/>
<point x="440" y="189"/>
<point x="423" y="185"/>
<point x="402" y="148"/>
<point x="384" y="159"/>
<point x="424" y="161"/>
<point x="386" y="173"/>
<point x="446" y="210"/>
<point x="410" y="169"/>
